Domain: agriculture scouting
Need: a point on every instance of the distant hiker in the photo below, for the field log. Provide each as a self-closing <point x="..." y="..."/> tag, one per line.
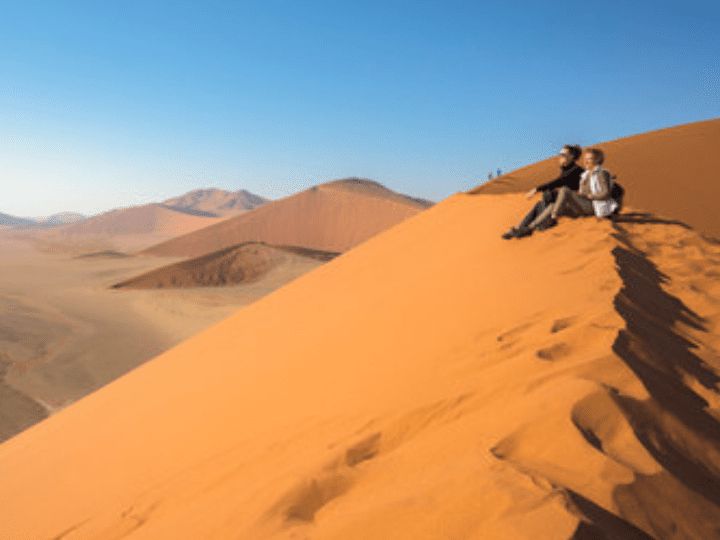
<point x="594" y="196"/>
<point x="490" y="176"/>
<point x="499" y="172"/>
<point x="570" y="173"/>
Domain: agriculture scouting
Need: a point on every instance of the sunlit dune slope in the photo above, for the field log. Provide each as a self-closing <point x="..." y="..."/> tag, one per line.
<point x="331" y="217"/>
<point x="670" y="172"/>
<point x="243" y="263"/>
<point x="434" y="382"/>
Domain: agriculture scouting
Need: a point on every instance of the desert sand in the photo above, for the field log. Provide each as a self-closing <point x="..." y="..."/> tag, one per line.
<point x="330" y="217"/>
<point x="63" y="333"/>
<point x="244" y="263"/>
<point x="434" y="382"/>
<point x="125" y="229"/>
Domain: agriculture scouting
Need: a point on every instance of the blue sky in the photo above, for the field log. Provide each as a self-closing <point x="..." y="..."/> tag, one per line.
<point x="105" y="104"/>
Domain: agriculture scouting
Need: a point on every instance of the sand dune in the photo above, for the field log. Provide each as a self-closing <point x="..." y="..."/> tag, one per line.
<point x="243" y="263"/>
<point x="216" y="202"/>
<point x="669" y="172"/>
<point x="434" y="382"/>
<point x="331" y="217"/>
<point x="64" y="333"/>
<point x="131" y="228"/>
<point x="338" y="408"/>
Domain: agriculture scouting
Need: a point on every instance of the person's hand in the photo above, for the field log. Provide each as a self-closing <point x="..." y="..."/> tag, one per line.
<point x="531" y="193"/>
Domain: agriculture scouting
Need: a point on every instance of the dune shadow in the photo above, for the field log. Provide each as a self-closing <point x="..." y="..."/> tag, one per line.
<point x="674" y="424"/>
<point x="646" y="218"/>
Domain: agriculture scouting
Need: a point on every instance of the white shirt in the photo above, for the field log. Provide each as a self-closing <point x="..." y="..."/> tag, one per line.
<point x="604" y="207"/>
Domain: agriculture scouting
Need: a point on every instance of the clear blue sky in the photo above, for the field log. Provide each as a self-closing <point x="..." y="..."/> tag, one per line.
<point x="105" y="104"/>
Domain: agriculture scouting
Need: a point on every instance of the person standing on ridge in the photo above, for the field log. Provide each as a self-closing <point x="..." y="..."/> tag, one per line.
<point x="570" y="173"/>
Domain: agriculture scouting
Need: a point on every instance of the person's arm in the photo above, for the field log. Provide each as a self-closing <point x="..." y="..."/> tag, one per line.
<point x="559" y="182"/>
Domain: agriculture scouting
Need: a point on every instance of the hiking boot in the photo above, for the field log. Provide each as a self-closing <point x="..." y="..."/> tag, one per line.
<point x="523" y="232"/>
<point x="510" y="233"/>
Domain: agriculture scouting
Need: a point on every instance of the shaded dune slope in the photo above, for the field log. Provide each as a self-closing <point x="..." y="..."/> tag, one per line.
<point x="331" y="217"/>
<point x="670" y="172"/>
<point x="434" y="382"/>
<point x="231" y="266"/>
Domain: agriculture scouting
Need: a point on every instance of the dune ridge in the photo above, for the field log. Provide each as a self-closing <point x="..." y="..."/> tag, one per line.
<point x="668" y="172"/>
<point x="123" y="229"/>
<point x="330" y="217"/>
<point x="434" y="388"/>
<point x="243" y="263"/>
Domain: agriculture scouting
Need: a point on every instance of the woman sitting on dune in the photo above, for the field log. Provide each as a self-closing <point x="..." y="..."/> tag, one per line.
<point x="593" y="197"/>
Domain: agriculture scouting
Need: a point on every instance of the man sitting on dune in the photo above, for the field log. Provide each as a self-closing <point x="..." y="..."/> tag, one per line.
<point x="569" y="178"/>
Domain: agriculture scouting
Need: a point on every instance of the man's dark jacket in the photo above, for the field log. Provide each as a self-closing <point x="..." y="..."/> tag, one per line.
<point x="569" y="177"/>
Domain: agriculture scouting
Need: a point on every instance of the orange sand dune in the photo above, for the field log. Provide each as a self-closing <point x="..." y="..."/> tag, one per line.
<point x="243" y="263"/>
<point x="434" y="382"/>
<point x="331" y="217"/>
<point x="670" y="172"/>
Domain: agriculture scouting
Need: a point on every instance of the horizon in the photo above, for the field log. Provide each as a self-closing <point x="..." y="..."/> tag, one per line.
<point x="115" y="106"/>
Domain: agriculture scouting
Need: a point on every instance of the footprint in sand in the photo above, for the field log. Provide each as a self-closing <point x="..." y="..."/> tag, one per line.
<point x="553" y="352"/>
<point x="561" y="324"/>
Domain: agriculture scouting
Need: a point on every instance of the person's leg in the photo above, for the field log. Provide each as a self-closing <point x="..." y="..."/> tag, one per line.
<point x="545" y="214"/>
<point x="533" y="214"/>
<point x="570" y="203"/>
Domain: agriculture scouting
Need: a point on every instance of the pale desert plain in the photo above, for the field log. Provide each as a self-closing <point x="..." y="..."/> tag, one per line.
<point x="79" y="306"/>
<point x="435" y="381"/>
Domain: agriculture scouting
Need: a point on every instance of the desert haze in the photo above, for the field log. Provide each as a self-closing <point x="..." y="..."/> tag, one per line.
<point x="433" y="382"/>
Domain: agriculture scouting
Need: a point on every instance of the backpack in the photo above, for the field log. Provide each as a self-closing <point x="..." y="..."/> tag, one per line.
<point x="617" y="192"/>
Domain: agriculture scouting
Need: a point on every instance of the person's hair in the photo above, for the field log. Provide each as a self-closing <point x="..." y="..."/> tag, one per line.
<point x="597" y="154"/>
<point x="574" y="150"/>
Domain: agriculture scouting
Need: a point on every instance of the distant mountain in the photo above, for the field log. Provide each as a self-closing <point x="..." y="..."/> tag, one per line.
<point x="6" y="220"/>
<point x="62" y="218"/>
<point x="215" y="202"/>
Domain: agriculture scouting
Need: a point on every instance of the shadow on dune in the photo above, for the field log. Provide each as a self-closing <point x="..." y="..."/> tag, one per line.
<point x="647" y="219"/>
<point x="673" y="424"/>
<point x="601" y="524"/>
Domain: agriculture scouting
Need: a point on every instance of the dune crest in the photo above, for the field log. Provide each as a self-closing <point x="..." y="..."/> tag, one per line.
<point x="669" y="172"/>
<point x="124" y="229"/>
<point x="244" y="263"/>
<point x="434" y="382"/>
<point x="330" y="217"/>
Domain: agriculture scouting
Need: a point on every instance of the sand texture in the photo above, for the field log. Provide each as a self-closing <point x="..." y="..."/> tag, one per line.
<point x="64" y="333"/>
<point x="435" y="382"/>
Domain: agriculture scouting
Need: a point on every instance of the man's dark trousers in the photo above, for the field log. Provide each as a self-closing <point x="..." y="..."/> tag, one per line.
<point x="548" y="197"/>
